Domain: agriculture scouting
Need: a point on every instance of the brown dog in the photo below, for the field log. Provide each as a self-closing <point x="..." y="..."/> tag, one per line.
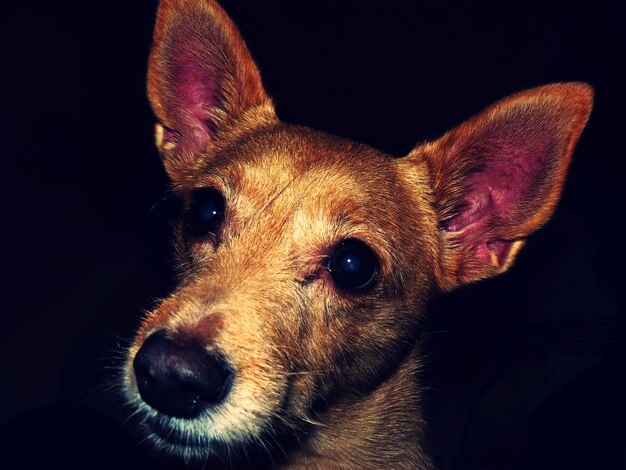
<point x="306" y="259"/>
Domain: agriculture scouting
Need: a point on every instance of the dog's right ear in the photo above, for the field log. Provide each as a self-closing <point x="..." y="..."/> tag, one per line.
<point x="201" y="78"/>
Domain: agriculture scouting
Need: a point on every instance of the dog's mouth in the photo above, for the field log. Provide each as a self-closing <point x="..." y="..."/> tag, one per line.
<point x="171" y="434"/>
<point x="216" y="435"/>
<point x="181" y="441"/>
<point x="175" y="438"/>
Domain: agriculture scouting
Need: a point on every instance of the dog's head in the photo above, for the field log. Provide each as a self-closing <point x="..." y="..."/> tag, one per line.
<point x="305" y="259"/>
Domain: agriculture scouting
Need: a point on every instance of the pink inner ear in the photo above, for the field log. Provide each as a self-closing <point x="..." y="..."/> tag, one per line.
<point x="198" y="91"/>
<point x="195" y="93"/>
<point x="513" y="160"/>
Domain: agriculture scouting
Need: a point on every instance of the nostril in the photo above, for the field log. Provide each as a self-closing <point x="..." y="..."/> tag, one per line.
<point x="214" y="383"/>
<point x="180" y="380"/>
<point x="144" y="380"/>
<point x="147" y="359"/>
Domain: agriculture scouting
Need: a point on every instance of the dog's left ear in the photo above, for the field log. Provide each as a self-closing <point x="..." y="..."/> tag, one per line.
<point x="497" y="178"/>
<point x="201" y="79"/>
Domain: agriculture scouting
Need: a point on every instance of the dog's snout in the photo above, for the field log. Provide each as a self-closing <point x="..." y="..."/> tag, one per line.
<point x="180" y="380"/>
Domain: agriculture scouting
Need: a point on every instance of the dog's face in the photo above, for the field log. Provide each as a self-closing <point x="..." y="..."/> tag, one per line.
<point x="307" y="276"/>
<point x="305" y="259"/>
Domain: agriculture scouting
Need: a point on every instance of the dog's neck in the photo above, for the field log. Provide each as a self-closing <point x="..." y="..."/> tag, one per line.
<point x="385" y="426"/>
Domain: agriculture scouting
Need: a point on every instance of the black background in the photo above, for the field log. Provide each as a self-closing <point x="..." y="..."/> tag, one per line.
<point x="523" y="369"/>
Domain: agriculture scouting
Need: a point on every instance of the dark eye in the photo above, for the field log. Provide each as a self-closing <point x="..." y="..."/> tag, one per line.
<point x="353" y="265"/>
<point x="205" y="213"/>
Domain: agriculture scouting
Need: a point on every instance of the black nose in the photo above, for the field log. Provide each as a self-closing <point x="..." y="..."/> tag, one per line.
<point x="180" y="380"/>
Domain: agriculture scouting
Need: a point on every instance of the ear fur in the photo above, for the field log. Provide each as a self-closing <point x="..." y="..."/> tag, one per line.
<point x="201" y="77"/>
<point x="497" y="177"/>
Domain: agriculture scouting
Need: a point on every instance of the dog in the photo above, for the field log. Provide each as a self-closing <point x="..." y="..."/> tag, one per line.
<point x="305" y="260"/>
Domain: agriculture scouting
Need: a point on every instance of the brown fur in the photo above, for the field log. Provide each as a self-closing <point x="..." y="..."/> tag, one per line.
<point x="338" y="371"/>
